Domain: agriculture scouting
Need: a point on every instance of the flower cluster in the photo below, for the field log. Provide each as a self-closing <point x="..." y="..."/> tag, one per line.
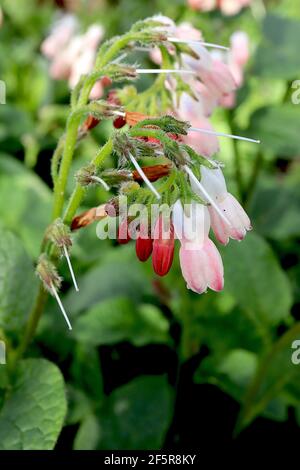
<point x="217" y="75"/>
<point x="169" y="123"/>
<point x="190" y="223"/>
<point x="227" y="7"/>
<point x="72" y="54"/>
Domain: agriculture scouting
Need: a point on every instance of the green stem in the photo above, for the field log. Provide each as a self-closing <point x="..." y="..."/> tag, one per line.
<point x="238" y="169"/>
<point x="79" y="191"/>
<point x="237" y="157"/>
<point x="31" y="325"/>
<point x="251" y="396"/>
<point x="254" y="176"/>
<point x="56" y="158"/>
<point x="60" y="187"/>
<point x="120" y="43"/>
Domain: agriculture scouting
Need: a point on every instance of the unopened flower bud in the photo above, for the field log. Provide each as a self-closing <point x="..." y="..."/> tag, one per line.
<point x="48" y="274"/>
<point x="115" y="177"/>
<point x="59" y="234"/>
<point x="163" y="248"/>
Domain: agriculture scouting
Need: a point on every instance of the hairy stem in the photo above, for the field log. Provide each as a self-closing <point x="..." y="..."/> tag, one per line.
<point x="56" y="159"/>
<point x="79" y="191"/>
<point x="60" y="187"/>
<point x="119" y="44"/>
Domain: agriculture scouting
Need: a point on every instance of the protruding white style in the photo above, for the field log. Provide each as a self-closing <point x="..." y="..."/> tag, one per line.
<point x="61" y="306"/>
<point x="143" y="176"/>
<point x="70" y="268"/>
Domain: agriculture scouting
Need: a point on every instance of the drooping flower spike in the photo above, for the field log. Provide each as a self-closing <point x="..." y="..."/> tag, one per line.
<point x="194" y="82"/>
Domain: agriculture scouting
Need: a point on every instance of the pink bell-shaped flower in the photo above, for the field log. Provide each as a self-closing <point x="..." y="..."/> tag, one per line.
<point x="200" y="261"/>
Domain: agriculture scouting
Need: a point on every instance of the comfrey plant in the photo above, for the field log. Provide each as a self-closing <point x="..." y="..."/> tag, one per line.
<point x="166" y="125"/>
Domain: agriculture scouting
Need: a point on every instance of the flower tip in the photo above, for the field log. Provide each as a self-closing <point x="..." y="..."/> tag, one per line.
<point x="143" y="248"/>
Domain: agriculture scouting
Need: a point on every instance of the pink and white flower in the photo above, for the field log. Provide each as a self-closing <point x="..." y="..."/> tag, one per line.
<point x="191" y="110"/>
<point x="73" y="55"/>
<point x="214" y="183"/>
<point x="227" y="7"/>
<point x="62" y="32"/>
<point x="200" y="261"/>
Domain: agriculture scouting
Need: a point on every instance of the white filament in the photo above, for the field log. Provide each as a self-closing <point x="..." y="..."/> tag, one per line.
<point x="205" y="193"/>
<point x="101" y="181"/>
<point x="119" y="113"/>
<point x="221" y="134"/>
<point x="120" y="58"/>
<point x="202" y="43"/>
<point x="61" y="306"/>
<point x="70" y="268"/>
<point x="141" y="71"/>
<point x="143" y="176"/>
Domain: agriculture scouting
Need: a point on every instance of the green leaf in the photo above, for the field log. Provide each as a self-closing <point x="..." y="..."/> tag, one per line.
<point x="10" y="135"/>
<point x="17" y="282"/>
<point x="118" y="319"/>
<point x="137" y="415"/>
<point x="278" y="55"/>
<point x="88" y="434"/>
<point x="231" y="372"/>
<point x="255" y="279"/>
<point x="275" y="373"/>
<point x="79" y="405"/>
<point x="278" y="129"/>
<point x="86" y="370"/>
<point x="34" y="412"/>
<point x="239" y="365"/>
<point x="119" y="272"/>
<point x="25" y="203"/>
<point x="275" y="209"/>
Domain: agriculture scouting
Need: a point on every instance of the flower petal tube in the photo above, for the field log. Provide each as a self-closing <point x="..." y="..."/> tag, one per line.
<point x="163" y="247"/>
<point x="200" y="261"/>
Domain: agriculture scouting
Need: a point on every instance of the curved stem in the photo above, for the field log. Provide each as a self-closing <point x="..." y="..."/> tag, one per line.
<point x="59" y="189"/>
<point x="56" y="158"/>
<point x="120" y="43"/>
<point x="79" y="191"/>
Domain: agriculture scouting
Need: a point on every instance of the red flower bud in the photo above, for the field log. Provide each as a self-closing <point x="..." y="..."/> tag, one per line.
<point x="123" y="234"/>
<point x="143" y="248"/>
<point x="119" y="122"/>
<point x="163" y="248"/>
<point x="106" y="81"/>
